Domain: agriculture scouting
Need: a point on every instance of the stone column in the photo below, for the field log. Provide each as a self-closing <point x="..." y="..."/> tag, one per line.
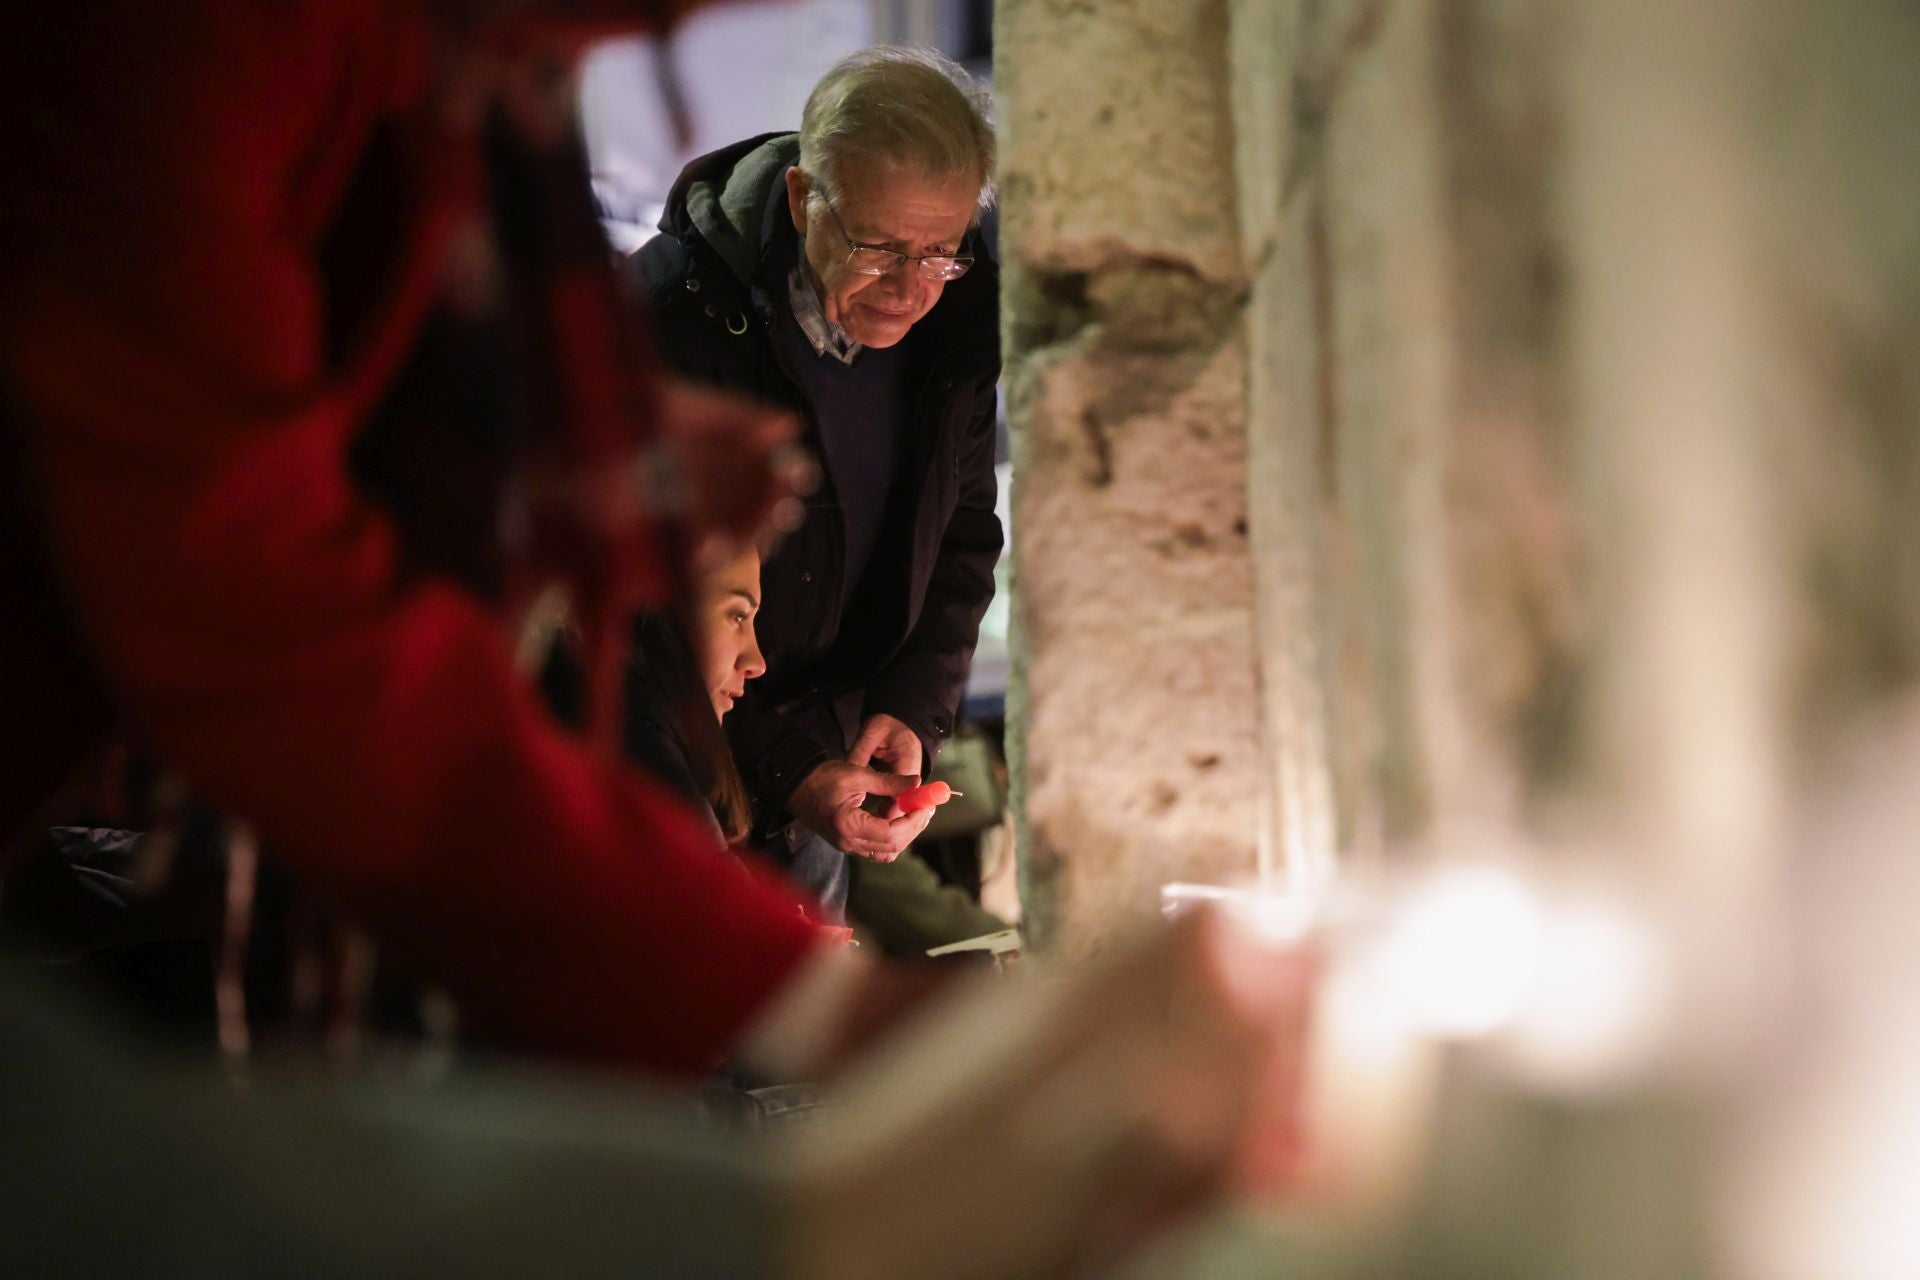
<point x="1283" y="323"/>
<point x="1413" y="533"/>
<point x="1134" y="718"/>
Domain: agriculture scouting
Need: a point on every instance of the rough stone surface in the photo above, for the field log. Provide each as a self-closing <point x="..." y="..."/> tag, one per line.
<point x="1388" y="334"/>
<point x="1409" y="464"/>
<point x="1294" y="530"/>
<point x="1135" y="690"/>
<point x="1135" y="740"/>
<point x="1263" y="46"/>
<point x="1583" y="471"/>
<point x="1555" y="361"/>
<point x="1516" y="576"/>
<point x="1746" y="296"/>
<point x="1115" y="137"/>
<point x="1832" y="102"/>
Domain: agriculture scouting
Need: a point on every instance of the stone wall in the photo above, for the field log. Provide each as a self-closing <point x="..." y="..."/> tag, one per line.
<point x="1293" y="558"/>
<point x="1409" y="468"/>
<point x="1136" y="745"/>
<point x="1444" y="422"/>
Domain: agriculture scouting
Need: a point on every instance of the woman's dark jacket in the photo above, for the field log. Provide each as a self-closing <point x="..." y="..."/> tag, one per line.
<point x="906" y="653"/>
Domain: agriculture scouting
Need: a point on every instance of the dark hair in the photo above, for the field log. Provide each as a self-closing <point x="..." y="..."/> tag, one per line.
<point x="665" y="678"/>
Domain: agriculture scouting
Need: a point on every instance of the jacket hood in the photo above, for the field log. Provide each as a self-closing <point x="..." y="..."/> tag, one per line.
<point x="722" y="198"/>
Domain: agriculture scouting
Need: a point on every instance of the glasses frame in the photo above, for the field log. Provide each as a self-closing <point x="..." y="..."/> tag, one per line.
<point x="963" y="261"/>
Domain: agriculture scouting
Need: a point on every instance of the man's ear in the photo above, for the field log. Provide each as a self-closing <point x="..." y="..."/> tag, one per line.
<point x="799" y="187"/>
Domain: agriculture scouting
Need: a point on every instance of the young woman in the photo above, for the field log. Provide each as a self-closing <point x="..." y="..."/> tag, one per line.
<point x="684" y="680"/>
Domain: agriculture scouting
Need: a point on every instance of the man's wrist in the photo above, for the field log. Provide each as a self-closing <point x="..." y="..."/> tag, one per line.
<point x="795" y="805"/>
<point x="781" y="773"/>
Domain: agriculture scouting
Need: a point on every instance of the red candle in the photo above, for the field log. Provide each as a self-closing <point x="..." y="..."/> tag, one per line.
<point x="925" y="797"/>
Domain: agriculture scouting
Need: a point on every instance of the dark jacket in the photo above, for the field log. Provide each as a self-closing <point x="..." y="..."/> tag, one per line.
<point x="702" y="278"/>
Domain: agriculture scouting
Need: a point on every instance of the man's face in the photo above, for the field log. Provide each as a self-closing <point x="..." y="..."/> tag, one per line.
<point x="890" y="207"/>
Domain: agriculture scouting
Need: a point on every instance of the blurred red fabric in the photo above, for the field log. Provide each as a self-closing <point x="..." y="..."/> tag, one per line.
<point x="183" y="545"/>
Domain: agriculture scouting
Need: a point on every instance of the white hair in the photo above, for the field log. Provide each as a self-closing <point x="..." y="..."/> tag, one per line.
<point x="907" y="106"/>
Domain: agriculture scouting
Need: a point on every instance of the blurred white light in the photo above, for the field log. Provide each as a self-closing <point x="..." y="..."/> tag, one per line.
<point x="1600" y="999"/>
<point x="1271" y="915"/>
<point x="1278" y="917"/>
<point x="1181" y="894"/>
<point x="1461" y="959"/>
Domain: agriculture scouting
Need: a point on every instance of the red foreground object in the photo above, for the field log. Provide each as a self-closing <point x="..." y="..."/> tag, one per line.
<point x="226" y="228"/>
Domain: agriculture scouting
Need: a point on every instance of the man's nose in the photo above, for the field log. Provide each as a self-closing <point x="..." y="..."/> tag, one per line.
<point x="901" y="277"/>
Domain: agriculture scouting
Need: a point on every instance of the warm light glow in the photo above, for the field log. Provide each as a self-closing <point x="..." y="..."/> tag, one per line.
<point x="1599" y="1001"/>
<point x="1462" y="957"/>
<point x="1271" y="915"/>
<point x="1370" y="1088"/>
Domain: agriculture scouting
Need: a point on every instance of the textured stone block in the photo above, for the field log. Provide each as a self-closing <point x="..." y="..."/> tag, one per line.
<point x="1116" y="141"/>
<point x="1517" y="579"/>
<point x="1291" y="519"/>
<point x="1141" y="750"/>
<point x="1135" y="741"/>
<point x="1136" y="697"/>
<point x="1263" y="45"/>
<point x="1389" y="335"/>
<point x="1565" y="351"/>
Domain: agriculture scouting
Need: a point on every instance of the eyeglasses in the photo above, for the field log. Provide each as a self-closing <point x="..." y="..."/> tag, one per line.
<point x="877" y="260"/>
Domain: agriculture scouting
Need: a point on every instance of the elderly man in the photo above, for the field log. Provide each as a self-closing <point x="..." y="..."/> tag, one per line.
<point x="838" y="271"/>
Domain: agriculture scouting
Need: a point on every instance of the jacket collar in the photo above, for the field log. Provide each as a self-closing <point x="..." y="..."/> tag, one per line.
<point x="727" y="197"/>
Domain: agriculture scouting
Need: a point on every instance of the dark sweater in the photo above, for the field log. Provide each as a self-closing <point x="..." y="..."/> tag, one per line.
<point x="860" y="412"/>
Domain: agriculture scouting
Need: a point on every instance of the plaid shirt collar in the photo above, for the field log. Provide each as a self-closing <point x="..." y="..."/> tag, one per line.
<point x="828" y="338"/>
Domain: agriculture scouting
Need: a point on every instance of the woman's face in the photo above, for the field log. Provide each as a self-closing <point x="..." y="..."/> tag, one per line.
<point x="724" y="643"/>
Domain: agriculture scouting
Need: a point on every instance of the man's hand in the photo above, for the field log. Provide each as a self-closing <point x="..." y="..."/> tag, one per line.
<point x="828" y="801"/>
<point x="888" y="741"/>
